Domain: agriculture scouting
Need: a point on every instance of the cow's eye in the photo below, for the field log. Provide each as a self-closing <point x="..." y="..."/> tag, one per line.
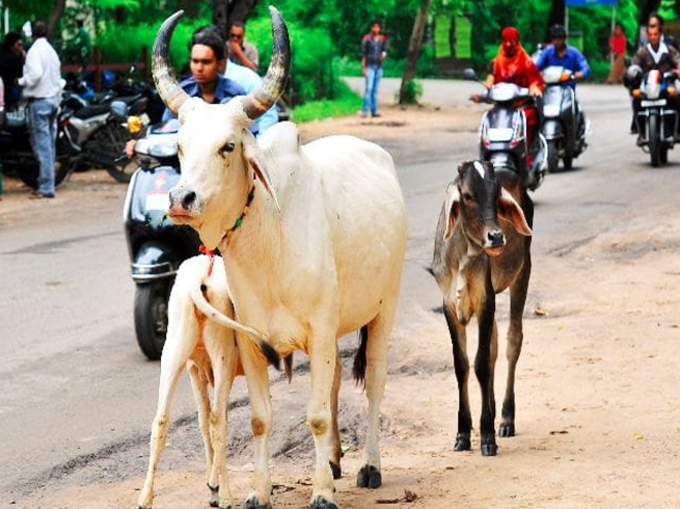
<point x="227" y="147"/>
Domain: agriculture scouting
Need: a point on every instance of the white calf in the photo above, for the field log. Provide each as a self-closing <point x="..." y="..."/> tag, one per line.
<point x="208" y="350"/>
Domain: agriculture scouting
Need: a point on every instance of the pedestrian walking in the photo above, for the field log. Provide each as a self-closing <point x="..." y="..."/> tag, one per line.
<point x="42" y="89"/>
<point x="617" y="46"/>
<point x="373" y="52"/>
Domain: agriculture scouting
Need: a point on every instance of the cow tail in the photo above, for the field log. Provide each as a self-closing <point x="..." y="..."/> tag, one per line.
<point x="359" y="369"/>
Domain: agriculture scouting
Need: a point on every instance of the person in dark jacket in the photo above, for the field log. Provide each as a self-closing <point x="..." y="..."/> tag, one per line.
<point x="12" y="58"/>
<point x="373" y="52"/>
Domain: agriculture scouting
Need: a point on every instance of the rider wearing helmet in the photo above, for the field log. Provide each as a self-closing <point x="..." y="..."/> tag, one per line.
<point x="560" y="54"/>
<point x="563" y="55"/>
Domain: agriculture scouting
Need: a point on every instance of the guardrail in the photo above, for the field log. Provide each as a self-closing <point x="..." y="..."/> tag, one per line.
<point x="96" y="66"/>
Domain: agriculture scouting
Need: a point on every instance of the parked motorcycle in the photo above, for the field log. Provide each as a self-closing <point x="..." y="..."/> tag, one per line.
<point x="100" y="133"/>
<point x="564" y="126"/>
<point x="156" y="246"/>
<point x="503" y="134"/>
<point x="656" y="119"/>
<point x="16" y="152"/>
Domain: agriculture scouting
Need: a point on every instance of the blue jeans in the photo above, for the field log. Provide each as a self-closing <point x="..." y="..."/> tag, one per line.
<point x="373" y="75"/>
<point x="42" y="115"/>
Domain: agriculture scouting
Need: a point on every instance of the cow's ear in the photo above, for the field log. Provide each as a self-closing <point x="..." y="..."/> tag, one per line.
<point x="510" y="210"/>
<point x="451" y="208"/>
<point x="255" y="161"/>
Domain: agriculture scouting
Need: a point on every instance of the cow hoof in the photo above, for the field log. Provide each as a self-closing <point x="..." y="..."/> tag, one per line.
<point x="489" y="447"/>
<point x="462" y="443"/>
<point x="253" y="503"/>
<point x="506" y="429"/>
<point x="322" y="503"/>
<point x="369" y="477"/>
<point x="337" y="471"/>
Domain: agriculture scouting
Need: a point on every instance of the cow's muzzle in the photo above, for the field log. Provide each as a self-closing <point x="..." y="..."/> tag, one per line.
<point x="183" y="202"/>
<point x="494" y="242"/>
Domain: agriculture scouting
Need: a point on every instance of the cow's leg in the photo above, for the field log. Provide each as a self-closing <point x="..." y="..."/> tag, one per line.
<point x="461" y="366"/>
<point x="322" y="359"/>
<point x="200" y="388"/>
<point x="221" y="348"/>
<point x="181" y="341"/>
<point x="378" y="331"/>
<point x="335" y="447"/>
<point x="518" y="297"/>
<point x="484" y="369"/>
<point x="257" y="378"/>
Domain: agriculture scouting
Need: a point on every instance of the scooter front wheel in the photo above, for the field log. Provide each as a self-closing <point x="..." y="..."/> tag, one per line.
<point x="151" y="316"/>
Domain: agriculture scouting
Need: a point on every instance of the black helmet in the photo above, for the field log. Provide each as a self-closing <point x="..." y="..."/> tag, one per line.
<point x="632" y="78"/>
<point x="558" y="31"/>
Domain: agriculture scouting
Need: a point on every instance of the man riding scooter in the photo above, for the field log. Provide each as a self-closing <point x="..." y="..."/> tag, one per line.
<point x="564" y="123"/>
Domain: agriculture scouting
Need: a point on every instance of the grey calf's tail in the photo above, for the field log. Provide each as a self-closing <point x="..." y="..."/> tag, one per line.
<point x="359" y="369"/>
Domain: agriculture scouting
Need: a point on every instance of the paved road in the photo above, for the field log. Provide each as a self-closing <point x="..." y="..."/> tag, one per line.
<point x="75" y="388"/>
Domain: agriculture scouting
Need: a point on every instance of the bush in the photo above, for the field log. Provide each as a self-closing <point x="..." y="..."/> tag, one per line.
<point x="413" y="90"/>
<point x="346" y="102"/>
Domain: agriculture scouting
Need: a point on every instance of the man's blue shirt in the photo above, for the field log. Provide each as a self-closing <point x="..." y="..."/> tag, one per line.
<point x="572" y="59"/>
<point x="225" y="90"/>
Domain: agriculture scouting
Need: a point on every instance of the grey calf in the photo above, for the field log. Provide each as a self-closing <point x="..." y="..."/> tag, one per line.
<point x="482" y="247"/>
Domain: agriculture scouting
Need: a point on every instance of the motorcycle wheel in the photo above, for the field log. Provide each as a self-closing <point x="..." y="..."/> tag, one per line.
<point x="151" y="317"/>
<point x="30" y="173"/>
<point x="111" y="140"/>
<point x="654" y="141"/>
<point x="553" y="156"/>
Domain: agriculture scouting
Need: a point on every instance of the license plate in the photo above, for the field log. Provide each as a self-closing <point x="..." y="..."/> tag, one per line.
<point x="657" y="102"/>
<point x="157" y="201"/>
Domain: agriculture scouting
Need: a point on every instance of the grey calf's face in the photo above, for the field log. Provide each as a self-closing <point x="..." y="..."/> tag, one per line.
<point x="480" y="193"/>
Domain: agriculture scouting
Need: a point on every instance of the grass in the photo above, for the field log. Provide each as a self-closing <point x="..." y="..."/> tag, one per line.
<point x="346" y="102"/>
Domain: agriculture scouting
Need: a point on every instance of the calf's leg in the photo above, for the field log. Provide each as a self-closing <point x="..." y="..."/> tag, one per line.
<point x="518" y="296"/>
<point x="484" y="369"/>
<point x="461" y="366"/>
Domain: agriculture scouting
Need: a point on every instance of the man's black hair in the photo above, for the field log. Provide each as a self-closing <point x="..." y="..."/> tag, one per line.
<point x="211" y="36"/>
<point x="656" y="15"/>
<point x="38" y="29"/>
<point x="558" y="32"/>
<point x="239" y="24"/>
<point x="375" y="22"/>
<point x="10" y="39"/>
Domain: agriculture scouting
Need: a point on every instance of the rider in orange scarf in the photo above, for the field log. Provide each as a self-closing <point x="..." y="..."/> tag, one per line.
<point x="513" y="65"/>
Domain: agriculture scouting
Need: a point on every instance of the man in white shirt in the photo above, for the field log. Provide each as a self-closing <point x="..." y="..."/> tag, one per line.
<point x="42" y="88"/>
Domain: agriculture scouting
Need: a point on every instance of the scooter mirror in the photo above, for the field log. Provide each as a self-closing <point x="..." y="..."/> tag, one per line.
<point x="469" y="74"/>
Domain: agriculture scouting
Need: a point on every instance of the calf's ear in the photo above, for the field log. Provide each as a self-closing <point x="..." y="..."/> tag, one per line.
<point x="451" y="208"/>
<point x="255" y="161"/>
<point x="510" y="210"/>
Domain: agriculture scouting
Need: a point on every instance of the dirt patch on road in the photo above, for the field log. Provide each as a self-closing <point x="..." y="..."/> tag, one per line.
<point x="597" y="407"/>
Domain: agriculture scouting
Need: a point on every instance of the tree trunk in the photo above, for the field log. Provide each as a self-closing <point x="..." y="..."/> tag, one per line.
<point x="557" y="14"/>
<point x="55" y="17"/>
<point x="239" y="10"/>
<point x="220" y="17"/>
<point x="414" y="46"/>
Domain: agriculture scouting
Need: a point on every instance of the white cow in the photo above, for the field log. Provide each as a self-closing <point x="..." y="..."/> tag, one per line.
<point x="313" y="239"/>
<point x="198" y="310"/>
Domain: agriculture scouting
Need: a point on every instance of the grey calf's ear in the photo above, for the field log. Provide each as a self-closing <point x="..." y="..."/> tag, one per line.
<point x="510" y="210"/>
<point x="254" y="160"/>
<point x="451" y="208"/>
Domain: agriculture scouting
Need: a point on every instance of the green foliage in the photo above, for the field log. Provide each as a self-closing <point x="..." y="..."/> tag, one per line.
<point x="413" y="91"/>
<point x="346" y="102"/>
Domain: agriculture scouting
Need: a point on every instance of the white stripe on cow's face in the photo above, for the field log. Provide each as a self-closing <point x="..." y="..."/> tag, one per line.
<point x="479" y="168"/>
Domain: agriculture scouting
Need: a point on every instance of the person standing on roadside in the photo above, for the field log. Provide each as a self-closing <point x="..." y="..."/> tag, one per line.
<point x="239" y="50"/>
<point x="617" y="46"/>
<point x="12" y="59"/>
<point x="373" y="52"/>
<point x="42" y="89"/>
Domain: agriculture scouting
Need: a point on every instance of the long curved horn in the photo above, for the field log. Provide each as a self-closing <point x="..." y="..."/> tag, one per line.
<point x="260" y="100"/>
<point x="168" y="87"/>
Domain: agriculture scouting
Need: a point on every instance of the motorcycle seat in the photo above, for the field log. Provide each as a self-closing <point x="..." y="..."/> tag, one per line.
<point x="92" y="110"/>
